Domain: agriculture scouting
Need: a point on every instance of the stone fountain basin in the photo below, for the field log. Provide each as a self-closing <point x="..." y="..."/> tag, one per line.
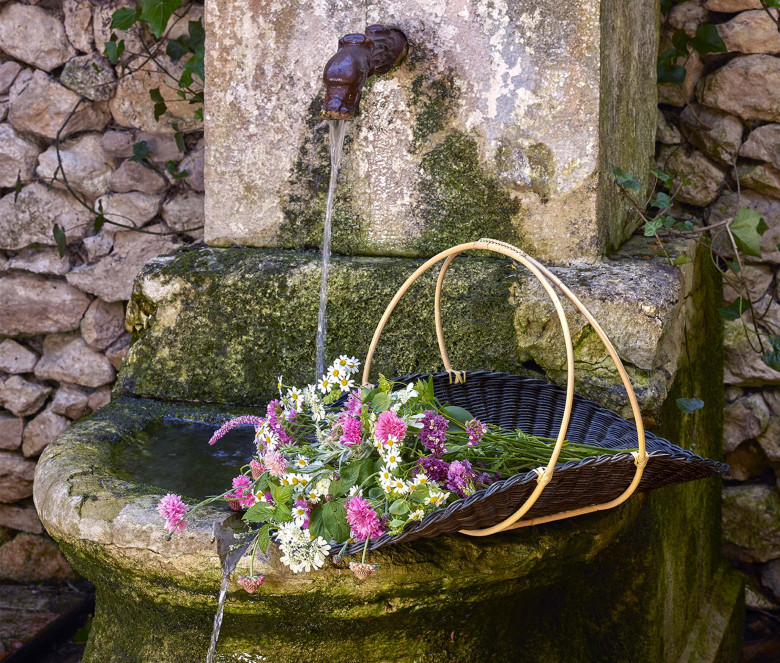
<point x="106" y="522"/>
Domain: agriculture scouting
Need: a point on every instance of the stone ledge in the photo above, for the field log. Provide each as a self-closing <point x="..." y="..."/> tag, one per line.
<point x="218" y="325"/>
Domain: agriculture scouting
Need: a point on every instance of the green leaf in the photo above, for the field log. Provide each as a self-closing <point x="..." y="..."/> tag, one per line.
<point x="399" y="507"/>
<point x="671" y="73"/>
<point x="745" y="228"/>
<point x="177" y="48"/>
<point x="178" y="137"/>
<point x="282" y="514"/>
<point x="380" y="402"/>
<point x="375" y="494"/>
<point x="281" y="494"/>
<point x="140" y="151"/>
<point x="198" y="115"/>
<point x="316" y="524"/>
<point x="681" y="260"/>
<point x="734" y="310"/>
<point x="157" y="13"/>
<point x="661" y="200"/>
<point x="334" y="517"/>
<point x="419" y="493"/>
<point x="259" y="513"/>
<point x="772" y="3"/>
<point x="707" y="40"/>
<point x="772" y="357"/>
<point x="113" y="49"/>
<point x="59" y="238"/>
<point x="652" y="226"/>
<point x="666" y="6"/>
<point x="626" y="180"/>
<point x="155" y="95"/>
<point x="660" y="175"/>
<point x="173" y="168"/>
<point x="680" y="42"/>
<point x="123" y="18"/>
<point x="264" y="538"/>
<point x="689" y="405"/>
<point x="195" y="64"/>
<point x="395" y="523"/>
<point x="197" y="34"/>
<point x="458" y="413"/>
<point x="100" y="221"/>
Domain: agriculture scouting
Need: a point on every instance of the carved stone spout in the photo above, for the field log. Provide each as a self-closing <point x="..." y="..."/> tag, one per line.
<point x="358" y="58"/>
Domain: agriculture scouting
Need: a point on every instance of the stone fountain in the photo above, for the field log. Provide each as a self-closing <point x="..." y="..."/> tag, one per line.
<point x="504" y="120"/>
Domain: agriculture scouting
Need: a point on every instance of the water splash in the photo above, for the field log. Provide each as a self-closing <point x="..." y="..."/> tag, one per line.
<point x="337" y="130"/>
<point x="230" y="551"/>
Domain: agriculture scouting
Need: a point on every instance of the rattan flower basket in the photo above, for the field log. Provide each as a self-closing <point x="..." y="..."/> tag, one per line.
<point x="555" y="491"/>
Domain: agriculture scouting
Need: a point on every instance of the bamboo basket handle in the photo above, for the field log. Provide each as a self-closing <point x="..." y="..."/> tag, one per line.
<point x="641" y="454"/>
<point x="544" y="474"/>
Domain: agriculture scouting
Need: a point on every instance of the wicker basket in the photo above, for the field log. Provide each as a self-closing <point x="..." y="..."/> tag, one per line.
<point x="556" y="491"/>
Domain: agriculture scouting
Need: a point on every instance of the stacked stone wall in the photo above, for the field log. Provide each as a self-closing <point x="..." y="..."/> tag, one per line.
<point x="62" y="318"/>
<point x="722" y="129"/>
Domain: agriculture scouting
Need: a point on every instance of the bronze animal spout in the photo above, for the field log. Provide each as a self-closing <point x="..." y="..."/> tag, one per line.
<point x="358" y="58"/>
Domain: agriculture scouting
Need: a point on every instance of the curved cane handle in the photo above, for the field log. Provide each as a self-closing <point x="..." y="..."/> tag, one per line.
<point x="640" y="456"/>
<point x="546" y="473"/>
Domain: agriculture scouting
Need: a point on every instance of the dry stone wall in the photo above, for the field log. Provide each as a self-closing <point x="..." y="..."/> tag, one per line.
<point x="62" y="330"/>
<point x="722" y="129"/>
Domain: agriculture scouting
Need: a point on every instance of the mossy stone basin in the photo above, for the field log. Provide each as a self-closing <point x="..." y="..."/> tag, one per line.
<point x="449" y="598"/>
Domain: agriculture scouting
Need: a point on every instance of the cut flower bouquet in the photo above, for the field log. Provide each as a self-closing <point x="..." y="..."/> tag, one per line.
<point x="336" y="464"/>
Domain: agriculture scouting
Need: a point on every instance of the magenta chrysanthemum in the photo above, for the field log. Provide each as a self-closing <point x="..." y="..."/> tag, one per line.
<point x="460" y="478"/>
<point x="275" y="422"/>
<point x="257" y="468"/>
<point x="476" y="430"/>
<point x="275" y="463"/>
<point x="434" y="432"/>
<point x="354" y="406"/>
<point x="363" y="521"/>
<point x="241" y="491"/>
<point x="351" y="430"/>
<point x="388" y="425"/>
<point x="173" y="509"/>
<point x="234" y="423"/>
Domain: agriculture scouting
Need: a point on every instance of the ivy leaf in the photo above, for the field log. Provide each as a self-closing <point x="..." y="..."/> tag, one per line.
<point x="197" y="34"/>
<point x="652" y="226"/>
<point x="178" y="137"/>
<point x="173" y="168"/>
<point x="195" y="64"/>
<point x="734" y="310"/>
<point x="660" y="175"/>
<point x="334" y="517"/>
<point x="680" y="42"/>
<point x="689" y="405"/>
<point x="626" y="180"/>
<point x="177" y="48"/>
<point x="772" y="357"/>
<point x="708" y="40"/>
<point x="113" y="49"/>
<point x="159" y="103"/>
<point x="157" y="13"/>
<point x="681" y="260"/>
<point x="100" y="221"/>
<point x="772" y="3"/>
<point x="198" y="114"/>
<point x="140" y="151"/>
<point x="661" y="201"/>
<point x="671" y="73"/>
<point x="59" y="238"/>
<point x="259" y="513"/>
<point x="746" y="228"/>
<point x="123" y="18"/>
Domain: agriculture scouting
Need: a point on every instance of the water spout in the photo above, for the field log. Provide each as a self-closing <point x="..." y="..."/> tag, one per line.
<point x="358" y="58"/>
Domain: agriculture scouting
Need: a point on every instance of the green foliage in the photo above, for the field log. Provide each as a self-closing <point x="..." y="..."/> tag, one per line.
<point x="747" y="228"/>
<point x="124" y="18"/>
<point x="157" y="13"/>
<point x="59" y="237"/>
<point x="626" y="180"/>
<point x="113" y="49"/>
<point x="159" y="103"/>
<point x="140" y="151"/>
<point x="706" y="40"/>
<point x="772" y="356"/>
<point x="689" y="405"/>
<point x="735" y="309"/>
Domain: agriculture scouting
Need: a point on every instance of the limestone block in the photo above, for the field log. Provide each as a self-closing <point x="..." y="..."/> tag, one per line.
<point x="15" y="358"/>
<point x="20" y="518"/>
<point x="16" y="477"/>
<point x="34" y="36"/>
<point x="133" y="176"/>
<point x="751" y="32"/>
<point x="22" y="397"/>
<point x="91" y="75"/>
<point x="743" y="365"/>
<point x="99" y="398"/>
<point x="41" y="430"/>
<point x="98" y="245"/>
<point x="748" y="86"/>
<point x="29" y="218"/>
<point x="18" y="156"/>
<point x="193" y="164"/>
<point x="129" y="209"/>
<point x="747" y="461"/>
<point x="763" y="143"/>
<point x="503" y="122"/>
<point x="731" y="6"/>
<point x="42" y="106"/>
<point x="9" y="70"/>
<point x="67" y="358"/>
<point x="162" y="147"/>
<point x="71" y="401"/>
<point x="688" y="16"/>
<point x="78" y="24"/>
<point x="763" y="178"/>
<point x="111" y="278"/>
<point x="83" y="162"/>
<point x="117" y="351"/>
<point x="132" y="106"/>
<point x="4" y="104"/>
<point x="751" y="522"/>
<point x="757" y="279"/>
<point x="31" y="304"/>
<point x="770" y="440"/>
<point x="744" y="419"/>
<point x="770" y="577"/>
<point x="729" y="203"/>
<point x="772" y="398"/>
<point x="184" y="212"/>
<point x="101" y="27"/>
<point x="706" y="179"/>
<point x="103" y="323"/>
<point x="10" y="434"/>
<point x="32" y="558"/>
<point x="717" y="134"/>
<point x="41" y="261"/>
<point x="666" y="132"/>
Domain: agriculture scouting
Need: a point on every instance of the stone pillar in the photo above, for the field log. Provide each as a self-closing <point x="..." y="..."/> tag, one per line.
<point x="505" y="120"/>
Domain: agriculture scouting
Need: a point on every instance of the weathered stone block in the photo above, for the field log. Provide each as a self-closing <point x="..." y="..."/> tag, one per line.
<point x="748" y="86"/>
<point x="751" y="522"/>
<point x="34" y="36"/>
<point x="10" y="433"/>
<point x="18" y="156"/>
<point x="763" y="144"/>
<point x="83" y="162"/>
<point x="41" y="430"/>
<point x="32" y="558"/>
<point x="22" y="397"/>
<point x="504" y="121"/>
<point x="751" y="32"/>
<point x="16" y="477"/>
<point x="103" y="323"/>
<point x="15" y="358"/>
<point x="132" y="176"/>
<point x="67" y="358"/>
<point x="41" y="261"/>
<point x="20" y="517"/>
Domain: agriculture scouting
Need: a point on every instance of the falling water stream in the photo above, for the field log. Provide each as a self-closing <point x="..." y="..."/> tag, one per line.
<point x="337" y="129"/>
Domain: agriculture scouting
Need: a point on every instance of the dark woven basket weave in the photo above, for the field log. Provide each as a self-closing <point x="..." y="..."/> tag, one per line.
<point x="536" y="408"/>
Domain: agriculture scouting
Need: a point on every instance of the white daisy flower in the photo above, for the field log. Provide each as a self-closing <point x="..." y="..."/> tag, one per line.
<point x="295" y="397"/>
<point x="324" y="385"/>
<point x="301" y="462"/>
<point x="415" y="515"/>
<point x="342" y="362"/>
<point x="385" y="475"/>
<point x="392" y="456"/>
<point x="346" y="383"/>
<point x="420" y="480"/>
<point x="300" y="515"/>
<point x="334" y="375"/>
<point x="279" y="383"/>
<point x="352" y="364"/>
<point x="355" y="490"/>
<point x="400" y="487"/>
<point x="436" y="497"/>
<point x="387" y="484"/>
